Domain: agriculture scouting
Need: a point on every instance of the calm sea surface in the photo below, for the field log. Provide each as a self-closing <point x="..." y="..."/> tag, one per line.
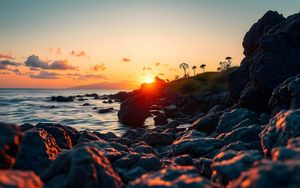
<point x="34" y="105"/>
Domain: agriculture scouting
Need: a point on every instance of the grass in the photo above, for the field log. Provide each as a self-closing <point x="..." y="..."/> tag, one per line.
<point x="208" y="81"/>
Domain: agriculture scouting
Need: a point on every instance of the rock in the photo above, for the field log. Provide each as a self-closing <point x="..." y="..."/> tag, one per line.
<point x="264" y="119"/>
<point x="37" y="151"/>
<point x="270" y="174"/>
<point x="203" y="166"/>
<point x="184" y="160"/>
<point x="10" y="139"/>
<point x="127" y="160"/>
<point x="86" y="104"/>
<point x="281" y="128"/>
<point x="26" y="127"/>
<point x="131" y="134"/>
<point x="216" y="109"/>
<point x="153" y="138"/>
<point x="286" y="95"/>
<point x="149" y="162"/>
<point x="106" y="136"/>
<point x="61" y="137"/>
<point x="229" y="169"/>
<point x="230" y="119"/>
<point x="172" y="111"/>
<point x="283" y="153"/>
<point x="242" y="146"/>
<point x="109" y="101"/>
<point x="82" y="167"/>
<point x="293" y="142"/>
<point x="173" y="176"/>
<point x="19" y="179"/>
<point x="196" y="146"/>
<point x="207" y="124"/>
<point x="88" y="136"/>
<point x="268" y="62"/>
<point x="95" y="95"/>
<point x="134" y="111"/>
<point x="105" y="110"/>
<point x="62" y="99"/>
<point x="161" y="119"/>
<point x="243" y="134"/>
<point x="143" y="148"/>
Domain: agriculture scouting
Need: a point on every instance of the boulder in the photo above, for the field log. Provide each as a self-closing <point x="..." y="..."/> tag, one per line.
<point x="283" y="153"/>
<point x="134" y="111"/>
<point x="10" y="139"/>
<point x="196" y="146"/>
<point x="275" y="174"/>
<point x="230" y="119"/>
<point x="203" y="166"/>
<point x="61" y="137"/>
<point x="173" y="176"/>
<point x="208" y="123"/>
<point x="38" y="150"/>
<point x="19" y="179"/>
<point x="106" y="136"/>
<point x="154" y="138"/>
<point x="227" y="169"/>
<point x="105" y="110"/>
<point x="88" y="136"/>
<point x="284" y="126"/>
<point x="286" y="96"/>
<point x="26" y="126"/>
<point x="82" y="167"/>
<point x="268" y="62"/>
<point x="62" y="99"/>
<point x="184" y="160"/>
<point x="160" y="119"/>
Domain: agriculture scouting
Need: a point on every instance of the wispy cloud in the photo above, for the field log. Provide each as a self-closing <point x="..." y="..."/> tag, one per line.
<point x="45" y="75"/>
<point x="125" y="59"/>
<point x="147" y="68"/>
<point x="79" y="54"/>
<point x="56" y="51"/>
<point x="34" y="61"/>
<point x="77" y="76"/>
<point x="6" y="56"/>
<point x="5" y="63"/>
<point x="98" y="67"/>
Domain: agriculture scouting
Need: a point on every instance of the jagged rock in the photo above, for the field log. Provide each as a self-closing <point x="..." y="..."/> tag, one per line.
<point x="207" y="123"/>
<point x="196" y="146"/>
<point x="10" y="139"/>
<point x="243" y="134"/>
<point x="286" y="96"/>
<point x="184" y="160"/>
<point x="62" y="99"/>
<point x="19" y="179"/>
<point x="61" y="137"/>
<point x="82" y="167"/>
<point x="38" y="150"/>
<point x="266" y="65"/>
<point x="230" y="119"/>
<point x="88" y="136"/>
<point x="203" y="166"/>
<point x="281" y="128"/>
<point x="131" y="134"/>
<point x="106" y="136"/>
<point x="230" y="168"/>
<point x="161" y="119"/>
<point x="134" y="111"/>
<point x="127" y="160"/>
<point x="174" y="176"/>
<point x="143" y="148"/>
<point x="275" y="174"/>
<point x="26" y="127"/>
<point x="242" y="146"/>
<point x="283" y="153"/>
<point x="154" y="138"/>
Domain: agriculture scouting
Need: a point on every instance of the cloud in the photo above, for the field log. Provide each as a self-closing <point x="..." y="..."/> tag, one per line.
<point x="56" y="51"/>
<point x="77" y="76"/>
<point x="147" y="68"/>
<point x="34" y="62"/>
<point x="6" y="56"/>
<point x="79" y="54"/>
<point x="161" y="74"/>
<point x="45" y="75"/>
<point x="5" y="63"/>
<point x="157" y="63"/>
<point x="126" y="59"/>
<point x="98" y="67"/>
<point x="16" y="71"/>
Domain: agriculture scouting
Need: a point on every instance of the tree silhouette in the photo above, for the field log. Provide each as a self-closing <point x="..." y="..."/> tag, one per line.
<point x="203" y="67"/>
<point x="225" y="65"/>
<point x="194" y="69"/>
<point x="229" y="62"/>
<point x="184" y="66"/>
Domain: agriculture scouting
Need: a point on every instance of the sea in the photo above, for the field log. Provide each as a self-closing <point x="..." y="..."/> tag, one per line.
<point x="34" y="106"/>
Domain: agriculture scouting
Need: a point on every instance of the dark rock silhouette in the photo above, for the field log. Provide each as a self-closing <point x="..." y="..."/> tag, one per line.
<point x="62" y="99"/>
<point x="10" y="139"/>
<point x="19" y="179"/>
<point x="272" y="55"/>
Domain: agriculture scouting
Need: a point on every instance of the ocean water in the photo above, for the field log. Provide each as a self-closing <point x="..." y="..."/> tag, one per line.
<point x="34" y="105"/>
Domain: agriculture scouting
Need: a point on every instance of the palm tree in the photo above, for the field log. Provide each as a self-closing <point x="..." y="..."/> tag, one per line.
<point x="184" y="66"/>
<point x="194" y="68"/>
<point x="203" y="67"/>
<point x="229" y="62"/>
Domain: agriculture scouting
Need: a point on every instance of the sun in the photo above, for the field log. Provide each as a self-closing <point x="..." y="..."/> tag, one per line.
<point x="149" y="79"/>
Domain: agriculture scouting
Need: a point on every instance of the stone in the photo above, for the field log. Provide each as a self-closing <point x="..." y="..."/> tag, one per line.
<point x="19" y="179"/>
<point x="10" y="139"/>
<point x="160" y="119"/>
<point x="173" y="176"/>
<point x="62" y="99"/>
<point x="38" y="150"/>
<point x="230" y="119"/>
<point x="153" y="138"/>
<point x="105" y="110"/>
<point x="183" y="160"/>
<point x="203" y="166"/>
<point x="207" y="124"/>
<point x="284" y="126"/>
<point x="88" y="136"/>
<point x="82" y="167"/>
<point x="286" y="95"/>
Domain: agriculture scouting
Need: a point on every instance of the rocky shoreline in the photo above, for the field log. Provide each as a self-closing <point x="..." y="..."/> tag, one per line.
<point x="247" y="137"/>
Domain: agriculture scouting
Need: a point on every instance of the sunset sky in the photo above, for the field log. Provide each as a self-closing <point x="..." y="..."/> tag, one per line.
<point x="120" y="43"/>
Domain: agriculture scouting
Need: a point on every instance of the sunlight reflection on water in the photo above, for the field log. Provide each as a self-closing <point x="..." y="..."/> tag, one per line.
<point x="34" y="105"/>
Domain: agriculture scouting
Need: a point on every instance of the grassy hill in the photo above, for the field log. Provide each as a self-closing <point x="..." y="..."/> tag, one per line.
<point x="208" y="81"/>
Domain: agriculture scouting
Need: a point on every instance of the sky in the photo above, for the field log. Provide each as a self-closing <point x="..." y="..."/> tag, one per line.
<point x="121" y="43"/>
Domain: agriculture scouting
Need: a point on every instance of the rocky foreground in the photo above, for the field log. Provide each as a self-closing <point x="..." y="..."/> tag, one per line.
<point x="247" y="138"/>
